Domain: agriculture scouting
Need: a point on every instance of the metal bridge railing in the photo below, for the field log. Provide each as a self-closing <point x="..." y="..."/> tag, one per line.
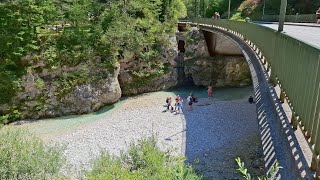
<point x="295" y="65"/>
<point x="299" y="18"/>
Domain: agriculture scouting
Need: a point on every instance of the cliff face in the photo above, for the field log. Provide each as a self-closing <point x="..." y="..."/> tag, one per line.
<point x="138" y="76"/>
<point x="213" y="58"/>
<point x="84" y="88"/>
<point x="68" y="90"/>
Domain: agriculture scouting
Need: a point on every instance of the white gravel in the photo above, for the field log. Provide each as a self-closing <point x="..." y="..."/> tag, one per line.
<point x="214" y="133"/>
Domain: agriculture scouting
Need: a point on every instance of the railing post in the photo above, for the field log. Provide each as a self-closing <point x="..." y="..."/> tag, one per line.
<point x="264" y="60"/>
<point x="315" y="164"/>
<point x="282" y="96"/>
<point x="268" y="67"/>
<point x="294" y="120"/>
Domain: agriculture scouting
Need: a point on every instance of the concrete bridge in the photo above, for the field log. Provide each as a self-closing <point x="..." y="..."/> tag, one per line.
<point x="278" y="60"/>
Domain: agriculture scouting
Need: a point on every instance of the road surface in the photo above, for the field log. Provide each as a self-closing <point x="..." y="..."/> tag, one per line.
<point x="311" y="35"/>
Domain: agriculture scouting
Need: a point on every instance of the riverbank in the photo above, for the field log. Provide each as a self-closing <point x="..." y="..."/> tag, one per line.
<point x="211" y="136"/>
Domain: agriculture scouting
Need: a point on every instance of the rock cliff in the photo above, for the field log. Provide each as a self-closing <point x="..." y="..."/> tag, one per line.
<point x="68" y="90"/>
<point x="138" y="76"/>
<point x="212" y="58"/>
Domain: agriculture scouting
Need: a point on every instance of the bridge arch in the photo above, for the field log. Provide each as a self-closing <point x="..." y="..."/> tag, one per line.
<point x="274" y="126"/>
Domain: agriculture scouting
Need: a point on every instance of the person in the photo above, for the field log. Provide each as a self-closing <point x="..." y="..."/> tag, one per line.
<point x="176" y="105"/>
<point x="318" y="15"/>
<point x="215" y="15"/>
<point x="168" y="101"/>
<point x="180" y="105"/>
<point x="218" y="15"/>
<point x="194" y="99"/>
<point x="250" y="100"/>
<point x="190" y="100"/>
<point x="210" y="90"/>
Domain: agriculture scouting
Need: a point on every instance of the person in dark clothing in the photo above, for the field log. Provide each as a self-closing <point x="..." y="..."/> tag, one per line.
<point x="190" y="101"/>
<point x="250" y="100"/>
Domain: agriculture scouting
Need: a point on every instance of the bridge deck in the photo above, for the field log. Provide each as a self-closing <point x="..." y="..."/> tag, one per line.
<point x="310" y="35"/>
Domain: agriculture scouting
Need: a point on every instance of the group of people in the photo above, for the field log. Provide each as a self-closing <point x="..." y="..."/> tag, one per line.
<point x="177" y="105"/>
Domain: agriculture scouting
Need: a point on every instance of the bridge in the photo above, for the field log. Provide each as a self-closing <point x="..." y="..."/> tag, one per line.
<point x="279" y="60"/>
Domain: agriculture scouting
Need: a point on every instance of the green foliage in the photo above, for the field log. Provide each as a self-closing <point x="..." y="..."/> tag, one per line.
<point x="40" y="84"/>
<point x="24" y="156"/>
<point x="271" y="175"/>
<point x="68" y="81"/>
<point x="143" y="160"/>
<point x="12" y="115"/>
<point x="9" y="84"/>
<point x="90" y="30"/>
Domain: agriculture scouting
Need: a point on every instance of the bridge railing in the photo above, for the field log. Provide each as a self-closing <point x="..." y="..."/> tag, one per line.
<point x="295" y="65"/>
<point x="299" y="18"/>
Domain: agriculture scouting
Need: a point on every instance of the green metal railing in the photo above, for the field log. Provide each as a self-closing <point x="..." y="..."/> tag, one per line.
<point x="299" y="18"/>
<point x="294" y="64"/>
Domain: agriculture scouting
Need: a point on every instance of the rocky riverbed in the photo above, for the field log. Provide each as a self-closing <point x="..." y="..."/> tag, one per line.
<point x="211" y="135"/>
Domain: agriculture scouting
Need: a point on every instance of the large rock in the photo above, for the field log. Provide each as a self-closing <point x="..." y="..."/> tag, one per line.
<point x="213" y="58"/>
<point x="138" y="76"/>
<point x="68" y="90"/>
<point x="195" y="44"/>
<point x="220" y="71"/>
<point x="204" y="44"/>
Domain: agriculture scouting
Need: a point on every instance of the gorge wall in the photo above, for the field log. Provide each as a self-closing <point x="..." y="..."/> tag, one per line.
<point x="87" y="87"/>
<point x="213" y="58"/>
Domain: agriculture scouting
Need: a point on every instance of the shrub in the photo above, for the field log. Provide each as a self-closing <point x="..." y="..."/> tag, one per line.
<point x="24" y="156"/>
<point x="271" y="175"/>
<point x="143" y="160"/>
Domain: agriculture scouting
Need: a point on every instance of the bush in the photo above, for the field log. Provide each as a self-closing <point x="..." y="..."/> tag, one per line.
<point x="271" y="175"/>
<point x="143" y="160"/>
<point x="24" y="156"/>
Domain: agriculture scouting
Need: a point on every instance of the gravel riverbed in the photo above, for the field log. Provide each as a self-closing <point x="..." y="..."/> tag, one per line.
<point x="211" y="135"/>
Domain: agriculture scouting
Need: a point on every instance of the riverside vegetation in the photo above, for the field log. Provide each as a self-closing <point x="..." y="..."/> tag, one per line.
<point x="24" y="156"/>
<point x="51" y="48"/>
<point x="52" y="51"/>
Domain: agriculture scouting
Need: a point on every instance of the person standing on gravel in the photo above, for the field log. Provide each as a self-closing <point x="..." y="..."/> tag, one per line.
<point x="168" y="101"/>
<point x="190" y="101"/>
<point x="179" y="104"/>
<point x="176" y="105"/>
<point x="210" y="90"/>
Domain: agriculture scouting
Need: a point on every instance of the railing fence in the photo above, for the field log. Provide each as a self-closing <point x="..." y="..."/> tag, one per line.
<point x="295" y="65"/>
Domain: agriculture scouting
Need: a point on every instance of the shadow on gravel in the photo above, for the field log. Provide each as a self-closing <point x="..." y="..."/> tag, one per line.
<point x="218" y="131"/>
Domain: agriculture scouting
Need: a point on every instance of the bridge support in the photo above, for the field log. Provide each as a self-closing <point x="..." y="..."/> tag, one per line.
<point x="315" y="164"/>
